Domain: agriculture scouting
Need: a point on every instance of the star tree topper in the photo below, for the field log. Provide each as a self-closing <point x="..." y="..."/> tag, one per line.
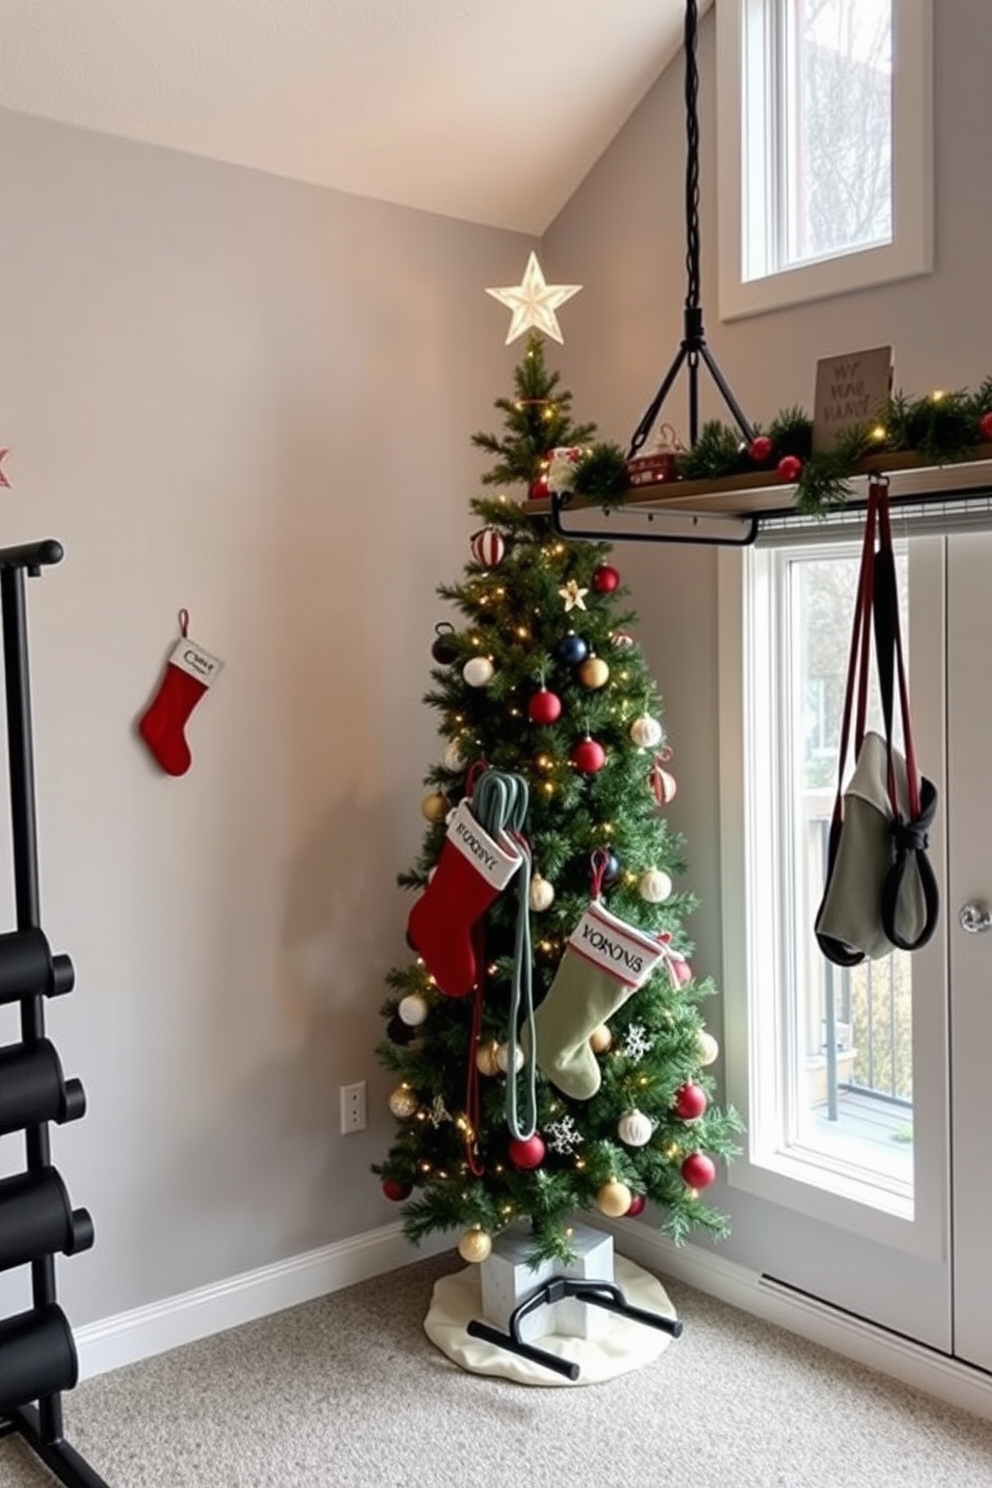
<point x="534" y="302"/>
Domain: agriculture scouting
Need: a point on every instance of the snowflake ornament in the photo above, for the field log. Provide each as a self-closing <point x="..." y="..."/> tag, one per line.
<point x="636" y="1044"/>
<point x="564" y="1136"/>
<point x="438" y="1112"/>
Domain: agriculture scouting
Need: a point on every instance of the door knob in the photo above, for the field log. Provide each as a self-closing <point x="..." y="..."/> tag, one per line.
<point x="975" y="917"/>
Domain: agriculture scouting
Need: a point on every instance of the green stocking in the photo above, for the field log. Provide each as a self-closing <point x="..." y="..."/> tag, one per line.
<point x="604" y="963"/>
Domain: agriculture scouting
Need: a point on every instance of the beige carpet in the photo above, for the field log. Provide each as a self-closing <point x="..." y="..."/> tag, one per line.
<point x="349" y="1392"/>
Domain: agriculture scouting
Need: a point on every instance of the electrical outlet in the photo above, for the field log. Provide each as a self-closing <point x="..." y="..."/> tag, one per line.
<point x="353" y="1114"/>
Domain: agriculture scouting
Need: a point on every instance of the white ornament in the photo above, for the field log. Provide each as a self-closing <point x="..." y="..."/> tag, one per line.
<point x="636" y="1043"/>
<point x="485" y="1059"/>
<point x="413" y="1009"/>
<point x="503" y="1057"/>
<point x="564" y="1136"/>
<point x="655" y="886"/>
<point x="478" y="671"/>
<point x="635" y="1129"/>
<point x="534" y="302"/>
<point x="542" y="893"/>
<point x="646" y="732"/>
<point x="709" y="1049"/>
<point x="452" y="759"/>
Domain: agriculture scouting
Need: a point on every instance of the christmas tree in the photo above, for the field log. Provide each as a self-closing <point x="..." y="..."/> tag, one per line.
<point x="547" y="1041"/>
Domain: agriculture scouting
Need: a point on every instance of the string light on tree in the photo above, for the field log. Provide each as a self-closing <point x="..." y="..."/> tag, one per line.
<point x="462" y="1140"/>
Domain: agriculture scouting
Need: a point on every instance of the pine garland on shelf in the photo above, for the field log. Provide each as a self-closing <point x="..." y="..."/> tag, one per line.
<point x="941" y="428"/>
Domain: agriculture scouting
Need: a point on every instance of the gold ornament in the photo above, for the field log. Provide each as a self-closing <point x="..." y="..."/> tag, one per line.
<point x="600" y="1039"/>
<point x="534" y="302"/>
<point x="475" y="1246"/>
<point x="709" y="1049"/>
<point x="593" y="673"/>
<point x="485" y="1059"/>
<point x="435" y="807"/>
<point x="402" y="1102"/>
<point x="613" y="1199"/>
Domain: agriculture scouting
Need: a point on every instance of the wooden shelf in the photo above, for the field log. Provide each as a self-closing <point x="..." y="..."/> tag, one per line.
<point x="762" y="493"/>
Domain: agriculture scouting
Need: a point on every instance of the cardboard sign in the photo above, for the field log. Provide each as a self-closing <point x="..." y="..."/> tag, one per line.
<point x="850" y="390"/>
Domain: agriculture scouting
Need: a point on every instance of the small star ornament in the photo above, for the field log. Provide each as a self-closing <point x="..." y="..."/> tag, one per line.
<point x="574" y="597"/>
<point x="533" y="303"/>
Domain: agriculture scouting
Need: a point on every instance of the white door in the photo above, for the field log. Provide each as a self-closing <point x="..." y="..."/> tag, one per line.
<point x="844" y="1192"/>
<point x="969" y="809"/>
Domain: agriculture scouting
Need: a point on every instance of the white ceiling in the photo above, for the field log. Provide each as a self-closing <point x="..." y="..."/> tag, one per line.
<point x="489" y="110"/>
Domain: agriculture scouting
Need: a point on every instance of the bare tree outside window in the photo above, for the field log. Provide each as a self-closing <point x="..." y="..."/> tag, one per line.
<point x="840" y="126"/>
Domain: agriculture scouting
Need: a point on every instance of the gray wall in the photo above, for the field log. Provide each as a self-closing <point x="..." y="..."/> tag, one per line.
<point x="622" y="235"/>
<point x="251" y="398"/>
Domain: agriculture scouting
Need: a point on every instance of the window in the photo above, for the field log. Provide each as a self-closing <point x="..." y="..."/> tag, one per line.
<point x="824" y="139"/>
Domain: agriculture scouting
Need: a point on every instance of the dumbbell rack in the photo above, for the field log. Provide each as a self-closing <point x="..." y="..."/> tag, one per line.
<point x="37" y="1352"/>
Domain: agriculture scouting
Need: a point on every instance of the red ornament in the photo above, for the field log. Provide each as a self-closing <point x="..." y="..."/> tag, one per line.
<point x="394" y="1189"/>
<point x="690" y="1102"/>
<point x="544" y="707"/>
<point x="790" y="468"/>
<point x="637" y="1202"/>
<point x="588" y="756"/>
<point x="605" y="579"/>
<point x="538" y="488"/>
<point x="698" y="1170"/>
<point x="984" y="427"/>
<point x="488" y="547"/>
<point x="760" y="449"/>
<point x="527" y="1152"/>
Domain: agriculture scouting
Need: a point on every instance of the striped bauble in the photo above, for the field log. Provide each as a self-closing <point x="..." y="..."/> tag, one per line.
<point x="488" y="547"/>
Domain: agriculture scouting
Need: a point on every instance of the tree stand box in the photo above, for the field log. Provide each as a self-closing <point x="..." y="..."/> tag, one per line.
<point x="507" y="1280"/>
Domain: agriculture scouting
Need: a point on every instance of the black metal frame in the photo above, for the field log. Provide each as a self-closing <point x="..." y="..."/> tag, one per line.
<point x="41" y="1426"/>
<point x="747" y="526"/>
<point x="693" y="347"/>
<point x="596" y="1293"/>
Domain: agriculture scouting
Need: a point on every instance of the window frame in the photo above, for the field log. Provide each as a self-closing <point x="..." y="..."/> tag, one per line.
<point x="757" y="1026"/>
<point x="910" y="252"/>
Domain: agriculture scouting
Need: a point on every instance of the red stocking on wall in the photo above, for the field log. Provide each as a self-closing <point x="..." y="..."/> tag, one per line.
<point x="189" y="672"/>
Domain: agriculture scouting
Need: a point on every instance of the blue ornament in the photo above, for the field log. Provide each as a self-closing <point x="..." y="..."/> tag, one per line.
<point x="572" y="649"/>
<point x="611" y="868"/>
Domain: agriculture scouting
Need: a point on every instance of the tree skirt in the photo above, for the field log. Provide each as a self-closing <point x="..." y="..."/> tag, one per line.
<point x="625" y="1346"/>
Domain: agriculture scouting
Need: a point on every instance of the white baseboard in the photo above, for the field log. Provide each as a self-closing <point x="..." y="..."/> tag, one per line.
<point x="948" y="1379"/>
<point x="131" y="1336"/>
